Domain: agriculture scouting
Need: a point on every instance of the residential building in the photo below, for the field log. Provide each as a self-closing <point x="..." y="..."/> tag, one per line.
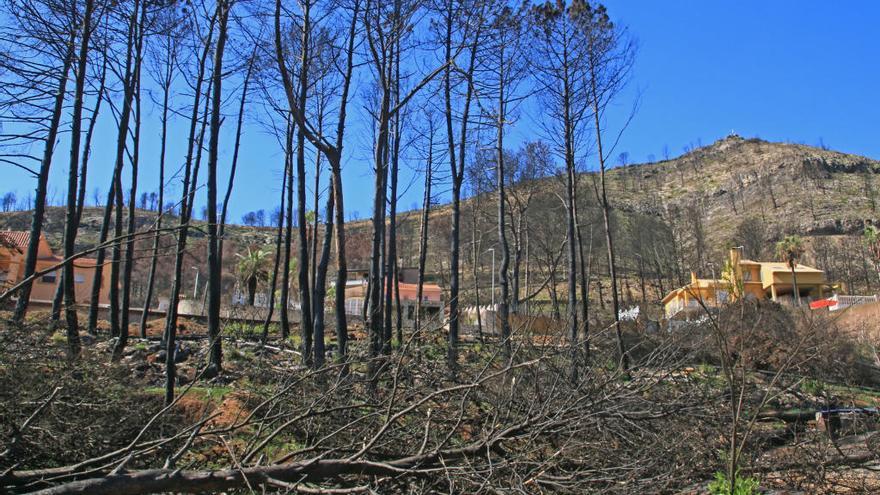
<point x="432" y="294"/>
<point x="14" y="245"/>
<point x="746" y="278"/>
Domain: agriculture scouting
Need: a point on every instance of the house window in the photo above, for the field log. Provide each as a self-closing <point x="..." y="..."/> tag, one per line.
<point x="48" y="278"/>
<point x="747" y="276"/>
<point x="79" y="279"/>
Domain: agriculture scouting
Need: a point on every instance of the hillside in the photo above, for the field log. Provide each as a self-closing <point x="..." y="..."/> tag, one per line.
<point x="90" y="227"/>
<point x="670" y="217"/>
<point x="795" y="188"/>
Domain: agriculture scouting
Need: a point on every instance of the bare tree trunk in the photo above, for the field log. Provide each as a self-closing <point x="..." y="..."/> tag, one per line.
<point x="58" y="296"/>
<point x="87" y="147"/>
<point x="341" y="264"/>
<point x="376" y="313"/>
<point x="476" y="249"/>
<point x="423" y="233"/>
<point x="81" y="194"/>
<point x="132" y="226"/>
<point x="502" y="230"/>
<point x="586" y="275"/>
<point x="121" y="140"/>
<point x="116" y="249"/>
<point x="98" y="278"/>
<point x="572" y="231"/>
<point x="166" y="95"/>
<point x="285" y="185"/>
<point x="235" y="151"/>
<point x="96" y="282"/>
<point x="398" y="321"/>
<point x="615" y="304"/>
<point x="381" y="59"/>
<point x="516" y="229"/>
<point x="72" y="222"/>
<point x="391" y="260"/>
<point x="313" y="249"/>
<point x="288" y="233"/>
<point x="187" y="198"/>
<point x="30" y="261"/>
<point x="214" y="268"/>
<point x="303" y="256"/>
<point x="333" y="154"/>
<point x="571" y="240"/>
<point x="320" y="285"/>
<point x="456" y="166"/>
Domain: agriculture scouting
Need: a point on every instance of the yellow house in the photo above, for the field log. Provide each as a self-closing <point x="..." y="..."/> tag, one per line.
<point x="746" y="278"/>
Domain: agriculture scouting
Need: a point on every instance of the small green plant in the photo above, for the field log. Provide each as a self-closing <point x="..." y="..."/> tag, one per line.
<point x="294" y="339"/>
<point x="813" y="387"/>
<point x="742" y="486"/>
<point x="59" y="337"/>
<point x="235" y="354"/>
<point x="244" y="331"/>
<point x="707" y="369"/>
<point x="212" y="394"/>
<point x="709" y="375"/>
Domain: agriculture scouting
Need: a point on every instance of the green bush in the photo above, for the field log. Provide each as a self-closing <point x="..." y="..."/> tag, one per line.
<point x="742" y="486"/>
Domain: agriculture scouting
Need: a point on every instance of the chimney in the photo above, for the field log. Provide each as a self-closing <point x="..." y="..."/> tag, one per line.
<point x="694" y="278"/>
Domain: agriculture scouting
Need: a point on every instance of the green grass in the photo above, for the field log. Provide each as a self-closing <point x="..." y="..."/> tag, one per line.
<point x="246" y="331"/>
<point x="208" y="394"/>
<point x="813" y="387"/>
<point x="280" y="446"/>
<point x="236" y="354"/>
<point x="858" y="394"/>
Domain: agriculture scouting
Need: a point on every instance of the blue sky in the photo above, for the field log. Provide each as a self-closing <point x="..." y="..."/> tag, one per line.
<point x="786" y="70"/>
<point x="782" y="70"/>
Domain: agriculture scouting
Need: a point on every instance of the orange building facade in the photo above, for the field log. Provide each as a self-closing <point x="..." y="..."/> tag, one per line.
<point x="432" y="294"/>
<point x="13" y="246"/>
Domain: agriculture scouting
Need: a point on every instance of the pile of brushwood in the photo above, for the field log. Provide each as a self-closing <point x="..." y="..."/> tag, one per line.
<point x="691" y="408"/>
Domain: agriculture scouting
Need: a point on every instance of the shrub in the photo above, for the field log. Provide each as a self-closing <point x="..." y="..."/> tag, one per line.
<point x="742" y="486"/>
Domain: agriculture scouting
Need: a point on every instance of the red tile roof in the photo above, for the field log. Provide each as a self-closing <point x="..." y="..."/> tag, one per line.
<point x="15" y="238"/>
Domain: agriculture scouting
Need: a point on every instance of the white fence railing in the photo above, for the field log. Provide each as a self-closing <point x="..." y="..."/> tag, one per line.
<point x="844" y="302"/>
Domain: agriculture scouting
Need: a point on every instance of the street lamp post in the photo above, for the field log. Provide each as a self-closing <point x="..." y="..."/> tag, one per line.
<point x="196" y="286"/>
<point x="714" y="284"/>
<point x="493" y="277"/>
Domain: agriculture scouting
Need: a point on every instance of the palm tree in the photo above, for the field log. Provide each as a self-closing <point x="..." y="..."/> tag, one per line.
<point x="790" y="249"/>
<point x="251" y="269"/>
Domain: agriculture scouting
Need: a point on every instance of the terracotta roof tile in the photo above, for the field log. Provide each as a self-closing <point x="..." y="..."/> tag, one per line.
<point x="16" y="238"/>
